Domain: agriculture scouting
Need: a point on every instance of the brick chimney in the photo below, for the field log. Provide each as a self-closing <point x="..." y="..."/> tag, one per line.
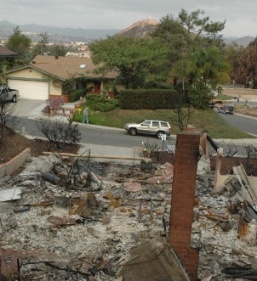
<point x="182" y="202"/>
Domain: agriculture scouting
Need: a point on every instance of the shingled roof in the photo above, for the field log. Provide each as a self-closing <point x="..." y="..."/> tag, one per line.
<point x="67" y="67"/>
<point x="6" y="53"/>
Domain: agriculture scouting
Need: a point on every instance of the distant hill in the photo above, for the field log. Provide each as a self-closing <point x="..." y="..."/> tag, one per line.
<point x="56" y="34"/>
<point x="140" y="29"/>
<point x="144" y="28"/>
<point x="242" y="41"/>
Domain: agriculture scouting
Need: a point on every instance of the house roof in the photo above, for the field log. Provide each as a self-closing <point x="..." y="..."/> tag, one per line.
<point x="4" y="52"/>
<point x="67" y="67"/>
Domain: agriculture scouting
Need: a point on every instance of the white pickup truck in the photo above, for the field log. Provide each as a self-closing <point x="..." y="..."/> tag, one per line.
<point x="7" y="94"/>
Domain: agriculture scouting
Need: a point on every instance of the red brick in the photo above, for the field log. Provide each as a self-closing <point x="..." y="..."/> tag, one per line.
<point x="182" y="201"/>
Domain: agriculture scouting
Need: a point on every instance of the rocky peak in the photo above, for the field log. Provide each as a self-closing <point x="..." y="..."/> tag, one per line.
<point x="140" y="29"/>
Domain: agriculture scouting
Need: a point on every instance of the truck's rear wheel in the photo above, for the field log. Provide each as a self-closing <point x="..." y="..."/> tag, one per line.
<point x="14" y="99"/>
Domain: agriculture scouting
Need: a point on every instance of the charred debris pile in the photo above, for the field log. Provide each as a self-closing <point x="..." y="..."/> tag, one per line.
<point x="78" y="219"/>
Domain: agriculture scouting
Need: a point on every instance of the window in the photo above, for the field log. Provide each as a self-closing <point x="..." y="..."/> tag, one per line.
<point x="164" y="124"/>
<point x="155" y="124"/>
<point x="146" y="123"/>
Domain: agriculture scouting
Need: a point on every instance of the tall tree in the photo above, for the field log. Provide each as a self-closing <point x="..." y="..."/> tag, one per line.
<point x="232" y="54"/>
<point x="41" y="47"/>
<point x="184" y="34"/>
<point x="133" y="59"/>
<point x="209" y="65"/>
<point x="201" y="27"/>
<point x="57" y="50"/>
<point x="247" y="68"/>
<point x="19" y="43"/>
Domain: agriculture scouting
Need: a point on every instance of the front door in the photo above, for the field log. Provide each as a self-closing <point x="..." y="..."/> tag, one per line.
<point x="97" y="87"/>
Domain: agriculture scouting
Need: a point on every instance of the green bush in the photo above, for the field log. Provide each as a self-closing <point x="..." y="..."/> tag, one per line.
<point x="200" y="95"/>
<point x="76" y="94"/>
<point x="100" y="103"/>
<point x="147" y="98"/>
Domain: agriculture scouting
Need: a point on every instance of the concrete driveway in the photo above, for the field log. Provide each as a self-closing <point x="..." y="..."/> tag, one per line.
<point x="32" y="109"/>
<point x="27" y="108"/>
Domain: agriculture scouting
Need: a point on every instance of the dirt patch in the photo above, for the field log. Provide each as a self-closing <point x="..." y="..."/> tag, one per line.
<point x="14" y="143"/>
<point x="249" y="111"/>
<point x="246" y="93"/>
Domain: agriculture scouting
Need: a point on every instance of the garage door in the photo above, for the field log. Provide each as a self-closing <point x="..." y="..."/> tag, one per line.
<point x="30" y="89"/>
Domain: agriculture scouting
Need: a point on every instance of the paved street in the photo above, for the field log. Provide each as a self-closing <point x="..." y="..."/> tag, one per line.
<point x="116" y="141"/>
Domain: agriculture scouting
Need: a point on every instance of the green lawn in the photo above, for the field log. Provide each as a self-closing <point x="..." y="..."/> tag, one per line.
<point x="207" y="120"/>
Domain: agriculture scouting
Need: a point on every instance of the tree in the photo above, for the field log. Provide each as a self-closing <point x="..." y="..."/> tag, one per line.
<point x="185" y="34"/>
<point x="182" y="106"/>
<point x="41" y="47"/>
<point x="133" y="59"/>
<point x="200" y="95"/>
<point x="173" y="35"/>
<point x="247" y="69"/>
<point x="232" y="54"/>
<point x="20" y="44"/>
<point x="210" y="66"/>
<point x="57" y="50"/>
<point x="201" y="28"/>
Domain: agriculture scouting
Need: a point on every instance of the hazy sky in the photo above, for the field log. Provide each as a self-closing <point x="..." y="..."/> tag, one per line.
<point x="240" y="16"/>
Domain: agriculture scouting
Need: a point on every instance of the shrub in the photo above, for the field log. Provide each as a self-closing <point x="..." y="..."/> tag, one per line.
<point x="200" y="95"/>
<point x="100" y="103"/>
<point x="59" y="133"/>
<point x="76" y="94"/>
<point x="147" y="98"/>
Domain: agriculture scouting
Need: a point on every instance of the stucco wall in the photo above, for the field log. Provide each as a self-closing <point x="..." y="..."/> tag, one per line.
<point x="56" y="88"/>
<point x="30" y="74"/>
<point x="27" y="73"/>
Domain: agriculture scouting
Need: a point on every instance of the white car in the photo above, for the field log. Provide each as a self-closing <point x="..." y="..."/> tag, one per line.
<point x="149" y="127"/>
<point x="8" y="94"/>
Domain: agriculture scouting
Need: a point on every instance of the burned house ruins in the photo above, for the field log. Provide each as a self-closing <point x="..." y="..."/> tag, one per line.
<point x="77" y="218"/>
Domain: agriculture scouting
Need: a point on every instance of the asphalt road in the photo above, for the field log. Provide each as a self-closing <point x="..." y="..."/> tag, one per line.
<point x="245" y="124"/>
<point x="118" y="137"/>
<point x="93" y="134"/>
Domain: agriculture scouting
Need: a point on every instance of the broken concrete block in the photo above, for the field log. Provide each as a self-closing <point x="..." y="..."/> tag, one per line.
<point x="11" y="194"/>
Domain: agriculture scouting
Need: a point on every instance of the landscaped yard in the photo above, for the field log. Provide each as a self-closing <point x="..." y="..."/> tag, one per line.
<point x="207" y="120"/>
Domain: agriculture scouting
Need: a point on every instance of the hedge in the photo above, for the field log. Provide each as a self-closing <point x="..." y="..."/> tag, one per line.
<point x="76" y="94"/>
<point x="148" y="99"/>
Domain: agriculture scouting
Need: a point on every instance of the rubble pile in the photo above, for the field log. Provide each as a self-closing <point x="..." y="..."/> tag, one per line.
<point x="82" y="217"/>
<point x="225" y="228"/>
<point x="79" y="219"/>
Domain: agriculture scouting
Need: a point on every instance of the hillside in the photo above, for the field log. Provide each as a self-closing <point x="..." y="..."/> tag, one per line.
<point x="56" y="34"/>
<point x="242" y="41"/>
<point x="140" y="29"/>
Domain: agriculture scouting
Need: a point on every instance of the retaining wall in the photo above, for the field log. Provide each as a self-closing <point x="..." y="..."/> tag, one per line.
<point x="15" y="163"/>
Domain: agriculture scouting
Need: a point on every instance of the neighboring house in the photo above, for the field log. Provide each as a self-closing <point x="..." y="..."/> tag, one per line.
<point x="7" y="55"/>
<point x="48" y="77"/>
